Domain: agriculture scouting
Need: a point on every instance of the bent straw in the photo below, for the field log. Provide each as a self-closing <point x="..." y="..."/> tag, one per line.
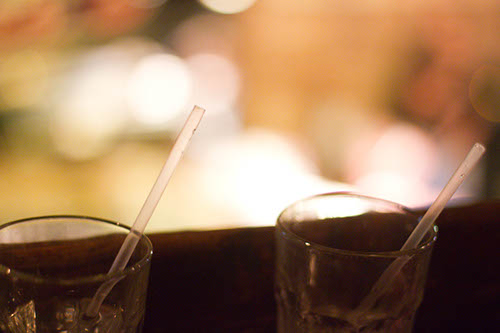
<point x="421" y="229"/>
<point x="149" y="206"/>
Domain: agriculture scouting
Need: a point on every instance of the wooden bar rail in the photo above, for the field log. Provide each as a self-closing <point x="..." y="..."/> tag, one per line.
<point x="222" y="281"/>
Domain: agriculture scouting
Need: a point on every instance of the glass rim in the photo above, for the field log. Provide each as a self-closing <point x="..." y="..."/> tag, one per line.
<point x="380" y="254"/>
<point x="94" y="278"/>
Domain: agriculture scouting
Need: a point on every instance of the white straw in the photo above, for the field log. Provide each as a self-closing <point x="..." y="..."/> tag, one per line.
<point x="422" y="228"/>
<point x="148" y="208"/>
<point x="437" y="207"/>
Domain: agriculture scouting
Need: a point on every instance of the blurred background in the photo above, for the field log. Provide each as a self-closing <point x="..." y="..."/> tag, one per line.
<point x="302" y="97"/>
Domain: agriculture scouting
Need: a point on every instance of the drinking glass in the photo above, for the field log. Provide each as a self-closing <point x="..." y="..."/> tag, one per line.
<point x="51" y="267"/>
<point x="331" y="249"/>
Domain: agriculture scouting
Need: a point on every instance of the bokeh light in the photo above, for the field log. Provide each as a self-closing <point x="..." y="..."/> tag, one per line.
<point x="216" y="81"/>
<point x="159" y="88"/>
<point x="89" y="111"/>
<point x="257" y="174"/>
<point x="401" y="166"/>
<point x="227" y="6"/>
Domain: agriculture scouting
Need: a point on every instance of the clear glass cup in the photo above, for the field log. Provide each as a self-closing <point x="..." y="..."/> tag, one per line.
<point x="330" y="251"/>
<point x="50" y="268"/>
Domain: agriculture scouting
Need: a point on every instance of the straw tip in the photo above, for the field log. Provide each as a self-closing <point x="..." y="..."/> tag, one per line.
<point x="479" y="147"/>
<point x="198" y="109"/>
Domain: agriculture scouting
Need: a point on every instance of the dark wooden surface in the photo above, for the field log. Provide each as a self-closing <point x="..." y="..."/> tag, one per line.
<point x="222" y="281"/>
